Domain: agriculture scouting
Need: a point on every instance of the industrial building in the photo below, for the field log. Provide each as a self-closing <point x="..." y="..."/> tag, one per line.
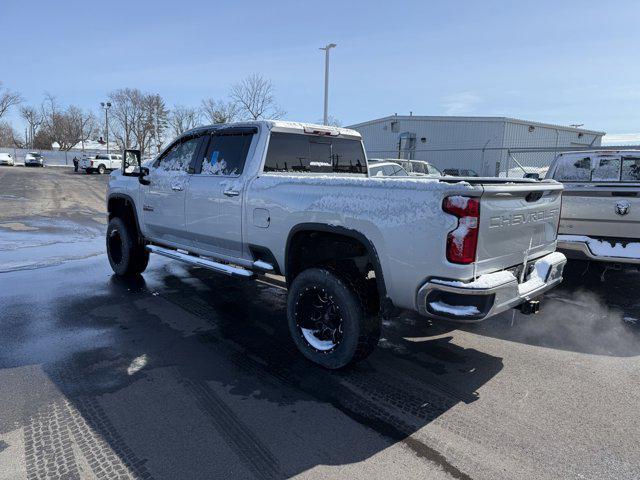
<point x="491" y="146"/>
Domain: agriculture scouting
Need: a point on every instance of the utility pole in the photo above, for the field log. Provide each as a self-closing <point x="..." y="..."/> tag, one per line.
<point x="326" y="80"/>
<point x="106" y="107"/>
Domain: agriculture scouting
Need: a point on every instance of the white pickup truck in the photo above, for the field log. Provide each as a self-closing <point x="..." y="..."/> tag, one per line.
<point x="273" y="198"/>
<point x="600" y="218"/>
<point x="101" y="163"/>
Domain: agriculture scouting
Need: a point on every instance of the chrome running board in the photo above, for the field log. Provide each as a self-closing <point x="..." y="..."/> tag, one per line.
<point x="201" y="262"/>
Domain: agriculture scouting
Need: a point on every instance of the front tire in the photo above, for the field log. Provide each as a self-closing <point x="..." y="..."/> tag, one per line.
<point x="127" y="255"/>
<point x="328" y="319"/>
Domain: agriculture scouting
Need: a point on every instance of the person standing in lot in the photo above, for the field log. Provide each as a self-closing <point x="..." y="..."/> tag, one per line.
<point x="75" y="164"/>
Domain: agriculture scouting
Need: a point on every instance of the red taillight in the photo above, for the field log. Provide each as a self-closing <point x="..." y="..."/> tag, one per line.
<point x="91" y="163"/>
<point x="463" y="241"/>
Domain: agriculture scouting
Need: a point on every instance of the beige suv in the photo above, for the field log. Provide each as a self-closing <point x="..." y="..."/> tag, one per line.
<point x="600" y="217"/>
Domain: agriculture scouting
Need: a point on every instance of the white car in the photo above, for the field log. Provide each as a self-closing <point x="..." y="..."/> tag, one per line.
<point x="386" y="169"/>
<point x="6" y="159"/>
<point x="298" y="200"/>
<point x="33" y="159"/>
<point x="101" y="163"/>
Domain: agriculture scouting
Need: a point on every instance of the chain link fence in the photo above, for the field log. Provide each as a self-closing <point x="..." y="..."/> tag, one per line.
<point x="51" y="157"/>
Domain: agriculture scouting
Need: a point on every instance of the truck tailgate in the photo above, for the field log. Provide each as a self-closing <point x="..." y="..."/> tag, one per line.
<point x="517" y="221"/>
<point x="600" y="210"/>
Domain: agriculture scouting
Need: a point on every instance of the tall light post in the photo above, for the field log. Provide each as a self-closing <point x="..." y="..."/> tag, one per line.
<point x="326" y="80"/>
<point x="106" y="106"/>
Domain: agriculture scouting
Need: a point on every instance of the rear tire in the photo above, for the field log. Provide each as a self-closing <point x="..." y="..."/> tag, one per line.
<point x="101" y="169"/>
<point x="127" y="255"/>
<point x="328" y="319"/>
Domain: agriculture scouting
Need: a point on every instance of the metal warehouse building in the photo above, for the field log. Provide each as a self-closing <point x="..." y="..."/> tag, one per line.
<point x="492" y="146"/>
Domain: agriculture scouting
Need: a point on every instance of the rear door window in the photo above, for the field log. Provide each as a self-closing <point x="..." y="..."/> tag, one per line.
<point x="226" y="154"/>
<point x="290" y="152"/>
<point x="606" y="169"/>
<point x="630" y="169"/>
<point x="571" y="169"/>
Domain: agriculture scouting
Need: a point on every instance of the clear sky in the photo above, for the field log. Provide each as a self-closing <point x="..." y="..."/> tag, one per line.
<point x="565" y="62"/>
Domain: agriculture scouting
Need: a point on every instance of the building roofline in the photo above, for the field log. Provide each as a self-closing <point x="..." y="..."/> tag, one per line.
<point x="474" y="119"/>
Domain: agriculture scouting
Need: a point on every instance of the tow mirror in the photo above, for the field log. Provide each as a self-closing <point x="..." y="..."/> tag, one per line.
<point x="132" y="166"/>
<point x="131" y="163"/>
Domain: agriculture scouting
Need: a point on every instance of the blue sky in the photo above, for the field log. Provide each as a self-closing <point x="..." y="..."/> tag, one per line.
<point x="559" y="62"/>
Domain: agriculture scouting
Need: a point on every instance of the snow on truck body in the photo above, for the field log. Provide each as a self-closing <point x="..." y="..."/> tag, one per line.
<point x="297" y="200"/>
<point x="600" y="217"/>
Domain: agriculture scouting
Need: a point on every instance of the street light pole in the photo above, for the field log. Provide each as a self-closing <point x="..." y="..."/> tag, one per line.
<point x="106" y="107"/>
<point x="326" y="80"/>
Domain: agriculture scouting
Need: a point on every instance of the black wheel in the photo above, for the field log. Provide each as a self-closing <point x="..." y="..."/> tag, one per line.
<point x="101" y="169"/>
<point x="328" y="320"/>
<point x="126" y="252"/>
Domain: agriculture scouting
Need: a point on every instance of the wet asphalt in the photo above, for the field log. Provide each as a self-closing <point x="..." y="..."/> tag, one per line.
<point x="183" y="373"/>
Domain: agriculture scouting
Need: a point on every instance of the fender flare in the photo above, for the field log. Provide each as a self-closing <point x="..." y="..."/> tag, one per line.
<point x="347" y="232"/>
<point x="129" y="199"/>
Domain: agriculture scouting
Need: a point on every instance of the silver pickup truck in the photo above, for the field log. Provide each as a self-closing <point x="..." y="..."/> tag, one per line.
<point x="601" y="205"/>
<point x="270" y="198"/>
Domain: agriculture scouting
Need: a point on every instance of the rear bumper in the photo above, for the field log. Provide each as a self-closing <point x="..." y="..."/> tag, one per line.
<point x="577" y="247"/>
<point x="489" y="294"/>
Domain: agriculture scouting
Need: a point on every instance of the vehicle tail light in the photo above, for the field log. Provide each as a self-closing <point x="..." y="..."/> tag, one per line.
<point x="462" y="242"/>
<point x="91" y="163"/>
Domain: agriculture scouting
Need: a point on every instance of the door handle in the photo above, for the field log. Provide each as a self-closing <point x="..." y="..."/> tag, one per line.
<point x="176" y="188"/>
<point x="231" y="193"/>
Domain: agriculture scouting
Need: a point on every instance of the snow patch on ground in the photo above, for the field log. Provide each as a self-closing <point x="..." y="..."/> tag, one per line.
<point x="603" y="248"/>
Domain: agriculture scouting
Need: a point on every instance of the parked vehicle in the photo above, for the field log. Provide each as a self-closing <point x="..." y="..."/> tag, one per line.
<point x="33" y="159"/>
<point x="600" y="217"/>
<point x="386" y="169"/>
<point x="460" y="172"/>
<point x="419" y="168"/>
<point x="101" y="163"/>
<point x="6" y="159"/>
<point x="256" y="198"/>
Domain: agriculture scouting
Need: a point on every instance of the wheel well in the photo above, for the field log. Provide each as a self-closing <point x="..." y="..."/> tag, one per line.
<point x="123" y="208"/>
<point x="342" y="252"/>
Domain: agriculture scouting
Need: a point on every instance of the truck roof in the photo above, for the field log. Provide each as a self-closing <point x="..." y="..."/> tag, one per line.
<point x="287" y="126"/>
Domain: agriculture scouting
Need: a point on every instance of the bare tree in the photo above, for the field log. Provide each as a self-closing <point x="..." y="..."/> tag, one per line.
<point x="218" y="111"/>
<point x="255" y="98"/>
<point x="33" y="117"/>
<point x="8" y="99"/>
<point x="137" y="119"/>
<point x="9" y="137"/>
<point x="183" y="118"/>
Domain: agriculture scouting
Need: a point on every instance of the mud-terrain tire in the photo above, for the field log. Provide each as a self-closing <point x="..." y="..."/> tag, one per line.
<point x="127" y="255"/>
<point x="344" y="333"/>
<point x="101" y="169"/>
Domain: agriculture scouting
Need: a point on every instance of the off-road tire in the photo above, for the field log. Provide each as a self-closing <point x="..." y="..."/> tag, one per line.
<point x="126" y="252"/>
<point x="361" y="331"/>
<point x="101" y="169"/>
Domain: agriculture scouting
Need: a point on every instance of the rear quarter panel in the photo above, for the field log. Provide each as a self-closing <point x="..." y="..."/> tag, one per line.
<point x="402" y="218"/>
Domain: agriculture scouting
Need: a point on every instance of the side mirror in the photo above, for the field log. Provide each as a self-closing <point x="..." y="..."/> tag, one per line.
<point x="131" y="163"/>
<point x="535" y="176"/>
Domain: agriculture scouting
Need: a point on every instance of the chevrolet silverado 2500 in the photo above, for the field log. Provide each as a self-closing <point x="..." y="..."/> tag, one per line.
<point x="600" y="219"/>
<point x="296" y="200"/>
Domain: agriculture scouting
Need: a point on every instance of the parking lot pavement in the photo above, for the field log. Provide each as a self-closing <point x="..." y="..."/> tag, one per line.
<point x="182" y="373"/>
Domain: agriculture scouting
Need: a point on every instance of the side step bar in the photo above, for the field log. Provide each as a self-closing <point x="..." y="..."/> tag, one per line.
<point x="201" y="262"/>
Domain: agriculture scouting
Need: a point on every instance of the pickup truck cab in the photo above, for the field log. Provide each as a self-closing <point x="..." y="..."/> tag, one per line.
<point x="273" y="198"/>
<point x="600" y="219"/>
<point x="101" y="163"/>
